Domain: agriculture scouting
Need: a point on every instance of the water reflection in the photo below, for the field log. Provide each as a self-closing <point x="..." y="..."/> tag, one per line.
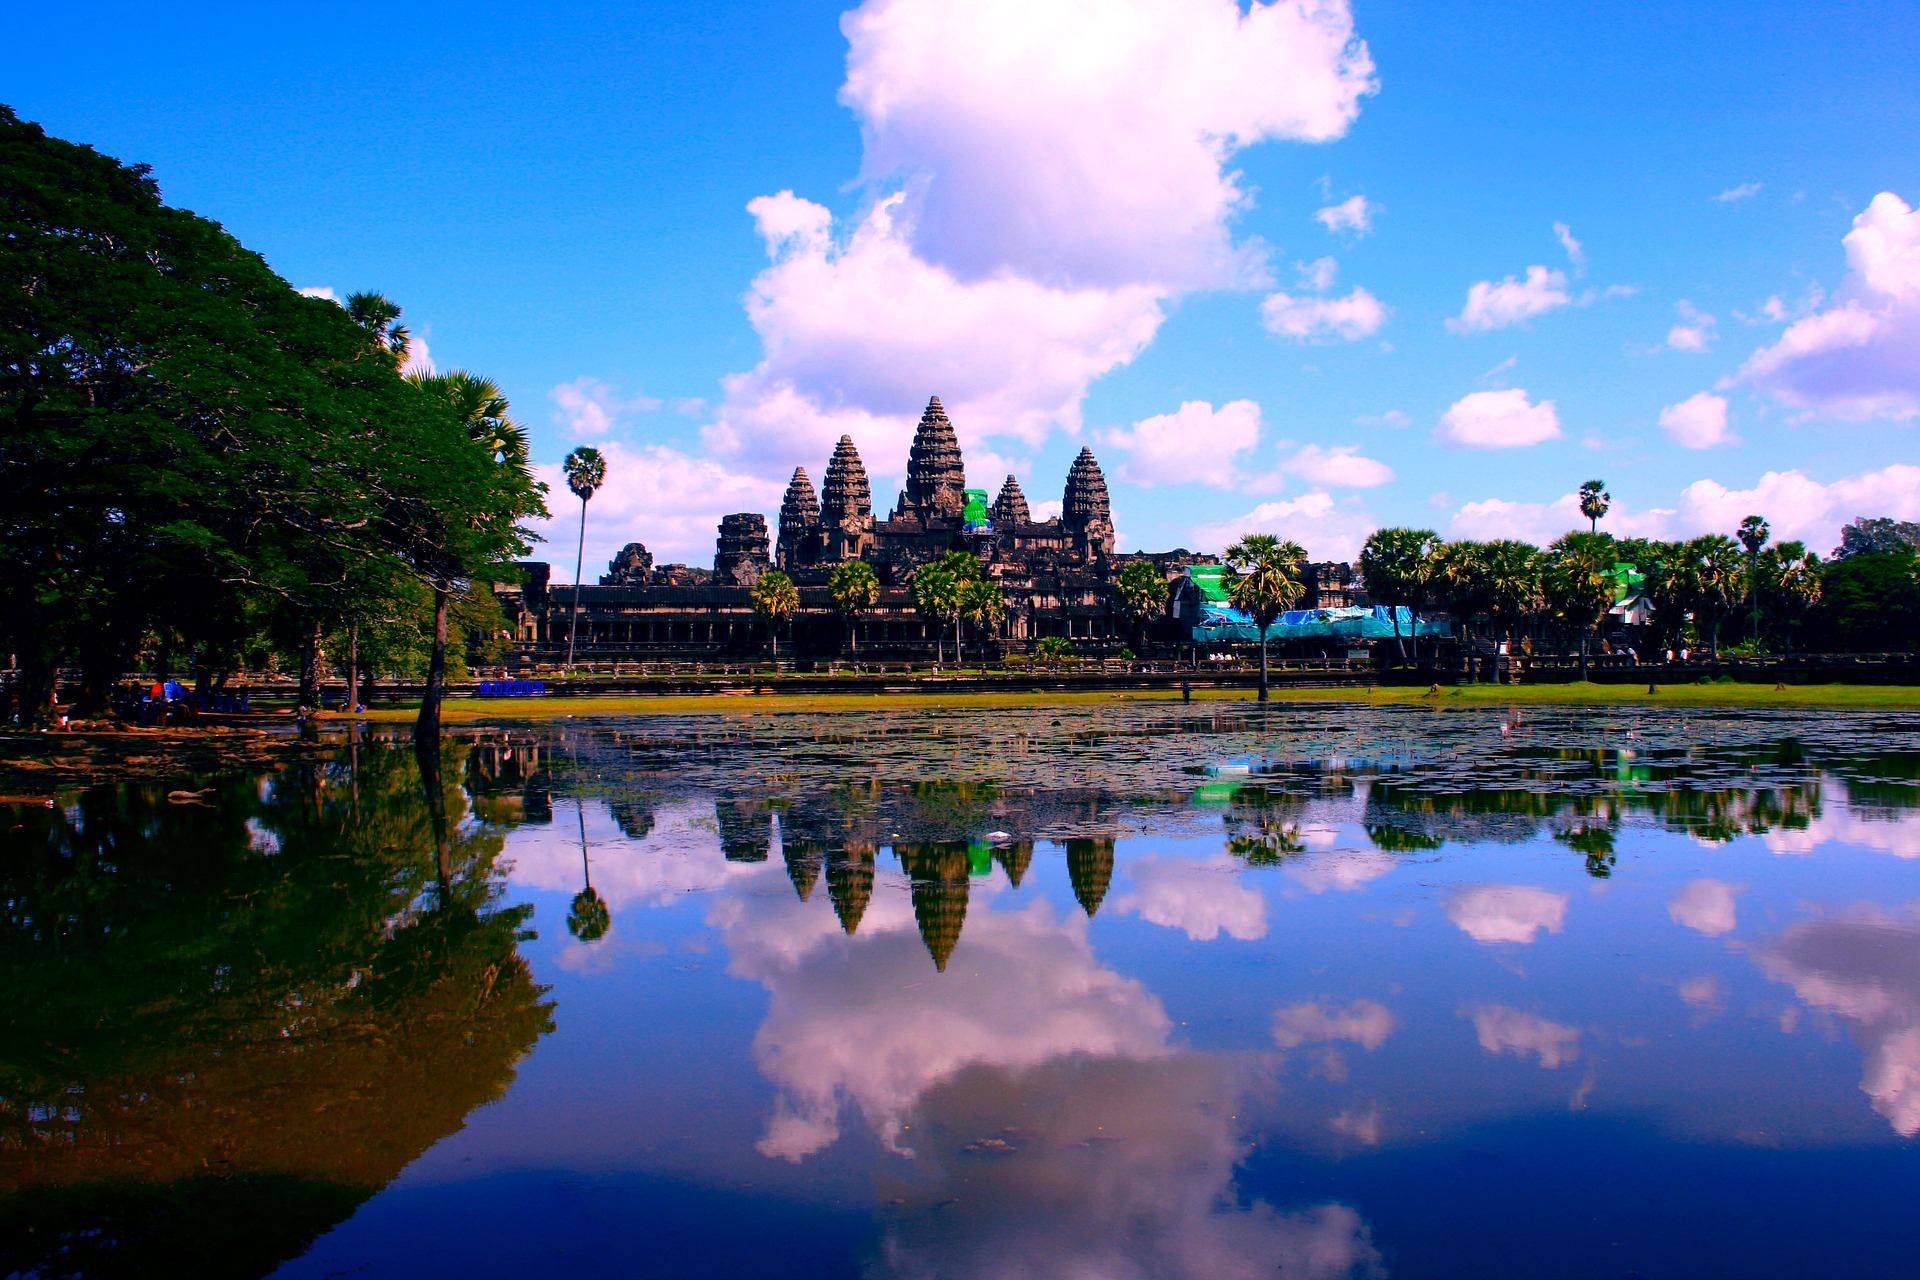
<point x="231" y="1020"/>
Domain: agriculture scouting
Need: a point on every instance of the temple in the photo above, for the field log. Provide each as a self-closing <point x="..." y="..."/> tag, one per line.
<point x="1056" y="576"/>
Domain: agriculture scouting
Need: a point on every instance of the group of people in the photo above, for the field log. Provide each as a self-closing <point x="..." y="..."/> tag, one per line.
<point x="170" y="702"/>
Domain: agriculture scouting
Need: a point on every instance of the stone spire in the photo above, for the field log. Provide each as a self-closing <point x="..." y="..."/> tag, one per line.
<point x="938" y="875"/>
<point x="846" y="506"/>
<point x="804" y="860"/>
<point x="799" y="522"/>
<point x="1014" y="859"/>
<point x="1085" y="509"/>
<point x="850" y="882"/>
<point x="935" y="476"/>
<point x="740" y="552"/>
<point x="1010" y="507"/>
<point x="1090" y="868"/>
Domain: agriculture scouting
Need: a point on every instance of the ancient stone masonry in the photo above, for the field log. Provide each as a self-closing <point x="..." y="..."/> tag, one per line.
<point x="633" y="567"/>
<point x="799" y="523"/>
<point x="740" y="554"/>
<point x="846" y="507"/>
<point x="1085" y="509"/>
<point x="935" y="477"/>
<point x="1010" y="508"/>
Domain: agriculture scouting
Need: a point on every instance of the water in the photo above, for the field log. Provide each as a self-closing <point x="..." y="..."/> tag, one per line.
<point x="1121" y="992"/>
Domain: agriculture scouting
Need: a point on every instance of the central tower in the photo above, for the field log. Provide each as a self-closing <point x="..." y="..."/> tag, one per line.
<point x="936" y="479"/>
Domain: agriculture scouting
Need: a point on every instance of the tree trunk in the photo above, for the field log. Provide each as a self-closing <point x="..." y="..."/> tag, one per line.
<point x="579" y="558"/>
<point x="1393" y="611"/>
<point x="426" y="729"/>
<point x="433" y="787"/>
<point x="1583" y="657"/>
<point x="310" y="667"/>
<point x="353" y="665"/>
<point x="1263" y="664"/>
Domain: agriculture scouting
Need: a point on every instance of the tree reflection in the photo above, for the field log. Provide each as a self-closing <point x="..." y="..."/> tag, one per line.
<point x="231" y="1021"/>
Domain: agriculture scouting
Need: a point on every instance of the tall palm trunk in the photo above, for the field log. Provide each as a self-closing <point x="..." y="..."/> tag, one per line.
<point x="1263" y="663"/>
<point x="310" y="667"/>
<point x="426" y="729"/>
<point x="579" y="559"/>
<point x="353" y="665"/>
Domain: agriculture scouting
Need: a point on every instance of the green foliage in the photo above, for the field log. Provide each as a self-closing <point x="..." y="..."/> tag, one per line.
<point x="1141" y="590"/>
<point x="1869" y="603"/>
<point x="1594" y="502"/>
<point x="854" y="587"/>
<point x="1053" y="650"/>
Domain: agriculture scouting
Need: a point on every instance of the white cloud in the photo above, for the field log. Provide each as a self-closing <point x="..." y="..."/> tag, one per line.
<point x="322" y="291"/>
<point x="1336" y="467"/>
<point x="1087" y="143"/>
<point x="1495" y="306"/>
<point x="1842" y="826"/>
<point x="1201" y="898"/>
<point x="1699" y="992"/>
<point x="1694" y="332"/>
<point x="1705" y="906"/>
<point x="1327" y="527"/>
<point x="1797" y="506"/>
<point x="1317" y="320"/>
<point x="1056" y="175"/>
<point x="1391" y="418"/>
<point x="589" y="407"/>
<point x="1195" y="444"/>
<point x="1499" y="420"/>
<point x="654" y="494"/>
<point x="1366" y="1023"/>
<point x="1506" y="912"/>
<point x="1506" y="1030"/>
<point x="1698" y="422"/>
<point x="1860" y="969"/>
<point x="1745" y="191"/>
<point x="1352" y="214"/>
<point x="1317" y="275"/>
<point x="1342" y="870"/>
<point x="1860" y="358"/>
<point x="1576" y="253"/>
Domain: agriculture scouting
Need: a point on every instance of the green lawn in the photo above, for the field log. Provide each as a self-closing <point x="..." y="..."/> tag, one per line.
<point x="469" y="710"/>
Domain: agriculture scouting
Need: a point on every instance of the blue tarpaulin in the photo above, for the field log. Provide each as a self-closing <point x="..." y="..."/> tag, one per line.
<point x="1223" y="623"/>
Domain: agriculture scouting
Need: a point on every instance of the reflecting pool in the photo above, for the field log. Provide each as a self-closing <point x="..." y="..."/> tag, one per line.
<point x="1137" y="991"/>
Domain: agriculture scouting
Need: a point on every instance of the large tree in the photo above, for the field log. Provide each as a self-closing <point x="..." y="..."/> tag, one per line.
<point x="855" y="589"/>
<point x="1263" y="581"/>
<point x="1142" y="593"/>
<point x="1397" y="565"/>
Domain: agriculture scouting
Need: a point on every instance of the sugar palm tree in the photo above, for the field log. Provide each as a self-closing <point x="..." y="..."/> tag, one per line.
<point x="965" y="568"/>
<point x="1397" y="566"/>
<point x="586" y="471"/>
<point x="1796" y="580"/>
<point x="1142" y="592"/>
<point x="1753" y="536"/>
<point x="775" y="598"/>
<point x="1594" y="501"/>
<point x="855" y="589"/>
<point x="588" y="918"/>
<point x="1263" y="581"/>
<point x="377" y="314"/>
<point x="936" y="596"/>
<point x="1578" y="583"/>
<point x="1721" y="577"/>
<point x="982" y="606"/>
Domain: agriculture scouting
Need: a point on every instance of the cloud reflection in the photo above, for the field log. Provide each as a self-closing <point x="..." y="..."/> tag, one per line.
<point x="1705" y="906"/>
<point x="1506" y="912"/>
<point x="1506" y="1030"/>
<point x="1202" y="897"/>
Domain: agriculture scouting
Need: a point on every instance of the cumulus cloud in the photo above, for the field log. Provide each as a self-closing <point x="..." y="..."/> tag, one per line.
<point x="589" y="407"/>
<point x="1506" y="1030"/>
<point x="1499" y="420"/>
<point x="1859" y="358"/>
<point x="1698" y="422"/>
<point x="1705" y="906"/>
<point x="1362" y="1126"/>
<point x="1391" y="418"/>
<point x="321" y="291"/>
<point x="1695" y="330"/>
<point x="1336" y="467"/>
<point x="1328" y="527"/>
<point x="1844" y="826"/>
<point x="1353" y="214"/>
<point x="1031" y="214"/>
<point x="1864" y="969"/>
<point x="1506" y="912"/>
<point x="1797" y="506"/>
<point x="1745" y="191"/>
<point x="1194" y="444"/>
<point x="1342" y="870"/>
<point x="1366" y="1023"/>
<point x="655" y="494"/>
<point x="1202" y="898"/>
<point x="1512" y="300"/>
<point x="1317" y="320"/>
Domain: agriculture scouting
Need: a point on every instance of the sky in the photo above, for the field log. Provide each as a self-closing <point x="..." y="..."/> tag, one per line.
<point x="1305" y="267"/>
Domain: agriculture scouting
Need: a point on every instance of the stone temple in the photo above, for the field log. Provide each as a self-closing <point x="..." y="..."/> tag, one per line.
<point x="1055" y="576"/>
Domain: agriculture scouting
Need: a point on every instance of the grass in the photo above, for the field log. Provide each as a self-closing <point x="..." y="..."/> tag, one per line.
<point x="1845" y="696"/>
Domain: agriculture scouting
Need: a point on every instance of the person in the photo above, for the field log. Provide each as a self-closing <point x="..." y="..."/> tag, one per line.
<point x="1186" y="691"/>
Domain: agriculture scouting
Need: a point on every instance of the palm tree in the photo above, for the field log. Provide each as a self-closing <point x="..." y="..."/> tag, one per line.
<point x="775" y="598"/>
<point x="1263" y="581"/>
<point x="376" y="313"/>
<point x="981" y="605"/>
<point x="1142" y="592"/>
<point x="1513" y="582"/>
<point x="1753" y="536"/>
<point x="1717" y="561"/>
<point x="965" y="568"/>
<point x="588" y="919"/>
<point x="936" y="595"/>
<point x="1397" y="565"/>
<point x="586" y="471"/>
<point x="1796" y="580"/>
<point x="1053" y="650"/>
<point x="855" y="589"/>
<point x="1594" y="501"/>
<point x="1578" y="582"/>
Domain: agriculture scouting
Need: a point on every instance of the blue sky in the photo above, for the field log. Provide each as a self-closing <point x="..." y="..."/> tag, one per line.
<point x="1094" y="221"/>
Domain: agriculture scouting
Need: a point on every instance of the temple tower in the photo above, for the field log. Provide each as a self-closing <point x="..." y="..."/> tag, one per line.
<point x="1010" y="508"/>
<point x="799" y="523"/>
<point x="850" y="882"/>
<point x="1085" y="510"/>
<point x="936" y="480"/>
<point x="1090" y="868"/>
<point x="740" y="553"/>
<point x="846" y="506"/>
